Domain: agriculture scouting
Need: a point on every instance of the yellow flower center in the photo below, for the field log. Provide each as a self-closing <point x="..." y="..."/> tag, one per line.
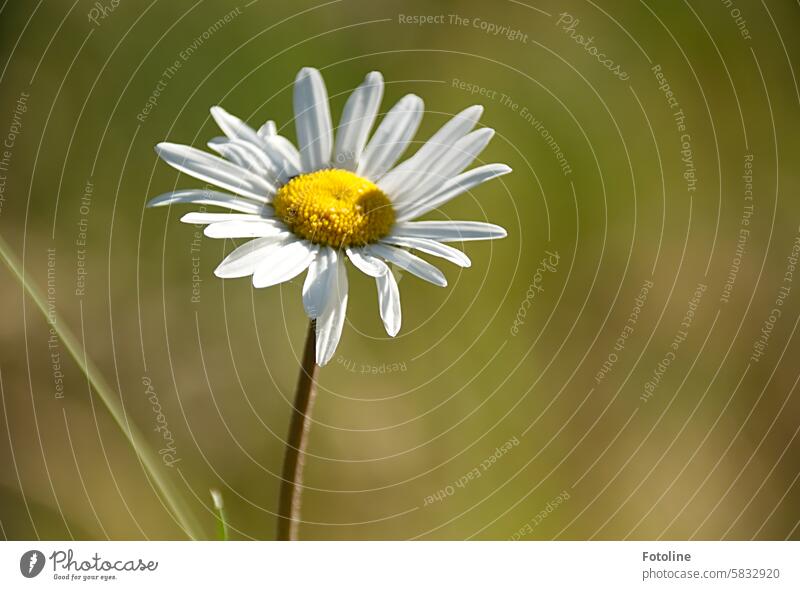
<point x="334" y="208"/>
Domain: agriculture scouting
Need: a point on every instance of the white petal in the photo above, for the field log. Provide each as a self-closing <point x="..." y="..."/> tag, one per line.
<point x="312" y="120"/>
<point x="245" y="154"/>
<point x="284" y="263"/>
<point x="407" y="261"/>
<point x="254" y="228"/>
<point x="216" y="171"/>
<point x="320" y="280"/>
<point x="277" y="160"/>
<point x="357" y="120"/>
<point x="391" y="138"/>
<point x="367" y="264"/>
<point x="234" y="127"/>
<point x="199" y="218"/>
<point x="398" y="182"/>
<point x="286" y="157"/>
<point x="206" y="197"/>
<point x="268" y="129"/>
<point x="389" y="302"/>
<point x="280" y="151"/>
<point x="431" y="247"/>
<point x="451" y="189"/>
<point x="449" y="231"/>
<point x="243" y="260"/>
<point x="451" y="163"/>
<point x="220" y="145"/>
<point x="388" y="293"/>
<point x="329" y="325"/>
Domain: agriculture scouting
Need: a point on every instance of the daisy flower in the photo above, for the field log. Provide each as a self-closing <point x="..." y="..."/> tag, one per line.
<point x="336" y="198"/>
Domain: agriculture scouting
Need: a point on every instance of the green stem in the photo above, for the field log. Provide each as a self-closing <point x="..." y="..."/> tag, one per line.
<point x="297" y="443"/>
<point x="149" y="461"/>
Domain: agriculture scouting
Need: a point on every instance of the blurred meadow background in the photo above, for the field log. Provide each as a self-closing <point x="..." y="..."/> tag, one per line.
<point x="623" y="365"/>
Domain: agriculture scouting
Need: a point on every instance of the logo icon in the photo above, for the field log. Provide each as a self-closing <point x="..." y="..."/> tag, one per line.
<point x="31" y="563"/>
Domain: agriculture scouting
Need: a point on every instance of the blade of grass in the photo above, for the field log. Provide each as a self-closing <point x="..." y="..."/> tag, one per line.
<point x="147" y="458"/>
<point x="222" y="520"/>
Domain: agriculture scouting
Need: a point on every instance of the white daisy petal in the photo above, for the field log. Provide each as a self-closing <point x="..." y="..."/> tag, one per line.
<point x="407" y="261"/>
<point x="255" y="228"/>
<point x="281" y="264"/>
<point x="388" y="293"/>
<point x="200" y="218"/>
<point x="268" y="129"/>
<point x="367" y="264"/>
<point x="286" y="157"/>
<point x="453" y="162"/>
<point x="397" y="182"/>
<point x="321" y="278"/>
<point x="312" y="120"/>
<point x="280" y="151"/>
<point x="431" y="247"/>
<point x="451" y="189"/>
<point x="216" y="171"/>
<point x="449" y="231"/>
<point x="244" y="260"/>
<point x="357" y="120"/>
<point x="269" y="159"/>
<point x="389" y="302"/>
<point x="329" y="325"/>
<point x="234" y="127"/>
<point x="206" y="197"/>
<point x="220" y="145"/>
<point x="246" y="155"/>
<point x="392" y="137"/>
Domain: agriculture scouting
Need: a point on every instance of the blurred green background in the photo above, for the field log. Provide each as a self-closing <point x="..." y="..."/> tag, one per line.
<point x="505" y="353"/>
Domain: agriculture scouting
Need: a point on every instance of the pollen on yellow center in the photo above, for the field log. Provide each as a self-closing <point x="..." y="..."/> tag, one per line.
<point x="334" y="208"/>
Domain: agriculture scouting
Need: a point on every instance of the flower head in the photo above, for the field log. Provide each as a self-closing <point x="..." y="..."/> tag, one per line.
<point x="311" y="209"/>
